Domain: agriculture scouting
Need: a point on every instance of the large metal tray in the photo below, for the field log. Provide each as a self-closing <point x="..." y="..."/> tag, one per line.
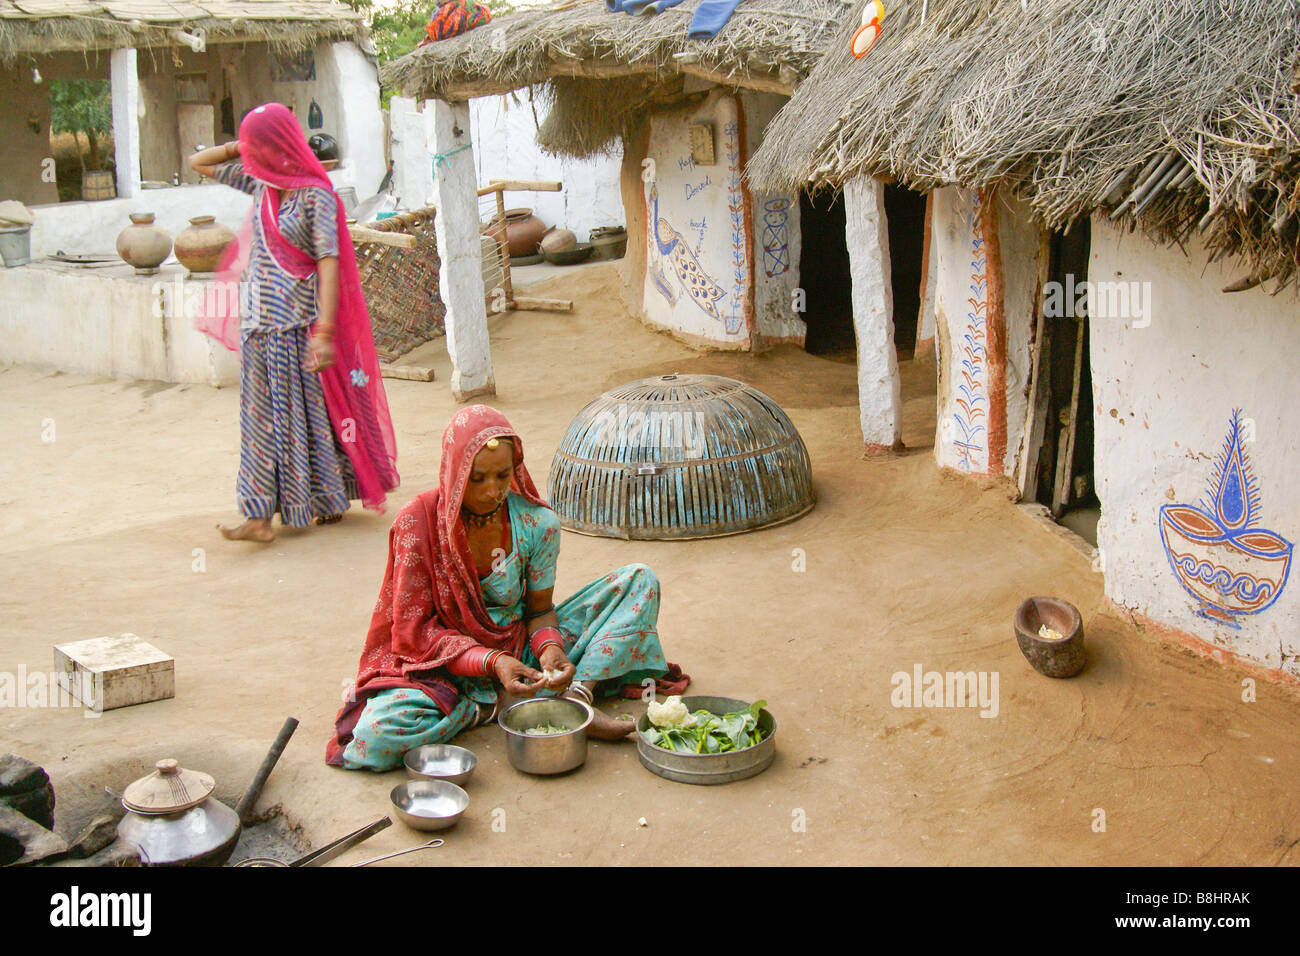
<point x="710" y="769"/>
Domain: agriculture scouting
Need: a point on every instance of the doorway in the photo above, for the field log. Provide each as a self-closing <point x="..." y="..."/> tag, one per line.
<point x="905" y="214"/>
<point x="825" y="277"/>
<point x="1061" y="476"/>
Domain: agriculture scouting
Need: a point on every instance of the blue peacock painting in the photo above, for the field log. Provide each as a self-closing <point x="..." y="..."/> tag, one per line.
<point x="671" y="250"/>
<point x="1220" y="555"/>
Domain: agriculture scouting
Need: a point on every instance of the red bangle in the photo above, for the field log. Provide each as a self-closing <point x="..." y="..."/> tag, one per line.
<point x="490" y="662"/>
<point x="542" y="636"/>
<point x="469" y="663"/>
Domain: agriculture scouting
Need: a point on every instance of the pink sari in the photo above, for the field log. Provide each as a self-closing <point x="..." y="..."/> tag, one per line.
<point x="274" y="150"/>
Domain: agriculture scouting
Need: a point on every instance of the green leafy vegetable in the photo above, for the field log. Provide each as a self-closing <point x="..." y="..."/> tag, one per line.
<point x="711" y="733"/>
<point x="546" y="730"/>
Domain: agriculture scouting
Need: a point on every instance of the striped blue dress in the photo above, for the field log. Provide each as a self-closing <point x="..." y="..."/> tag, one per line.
<point x="290" y="461"/>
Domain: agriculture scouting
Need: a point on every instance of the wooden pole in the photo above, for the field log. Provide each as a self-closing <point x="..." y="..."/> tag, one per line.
<point x="503" y="245"/>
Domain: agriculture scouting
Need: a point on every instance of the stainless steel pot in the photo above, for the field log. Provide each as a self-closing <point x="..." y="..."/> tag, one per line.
<point x="553" y="753"/>
<point x="200" y="836"/>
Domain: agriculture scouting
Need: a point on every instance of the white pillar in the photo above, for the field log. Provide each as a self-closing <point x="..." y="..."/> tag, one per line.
<point x="867" y="233"/>
<point x="456" y="225"/>
<point x="124" y="86"/>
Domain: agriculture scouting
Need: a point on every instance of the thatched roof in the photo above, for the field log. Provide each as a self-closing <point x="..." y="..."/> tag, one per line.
<point x="1182" y="110"/>
<point x="48" y="26"/>
<point x="593" y="60"/>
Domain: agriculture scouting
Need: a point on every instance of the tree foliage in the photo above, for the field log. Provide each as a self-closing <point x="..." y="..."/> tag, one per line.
<point x="82" y="106"/>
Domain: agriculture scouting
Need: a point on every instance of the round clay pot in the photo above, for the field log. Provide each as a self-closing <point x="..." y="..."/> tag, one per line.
<point x="200" y="245"/>
<point x="523" y="231"/>
<point x="559" y="240"/>
<point x="1053" y="658"/>
<point x="143" y="244"/>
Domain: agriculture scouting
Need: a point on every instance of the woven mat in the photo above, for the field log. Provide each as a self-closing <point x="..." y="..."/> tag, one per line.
<point x="401" y="286"/>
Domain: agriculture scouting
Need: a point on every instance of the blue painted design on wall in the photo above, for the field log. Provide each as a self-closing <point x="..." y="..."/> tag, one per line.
<point x="1220" y="555"/>
<point x="776" y="237"/>
<point x="970" y="417"/>
<point x="735" y="321"/>
<point x="672" y="256"/>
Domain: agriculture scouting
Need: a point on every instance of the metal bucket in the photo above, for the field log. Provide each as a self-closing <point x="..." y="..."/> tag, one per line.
<point x="16" y="245"/>
<point x="710" y="769"/>
<point x="677" y="457"/>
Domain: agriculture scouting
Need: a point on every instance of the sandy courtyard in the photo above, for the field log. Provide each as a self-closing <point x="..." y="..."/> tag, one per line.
<point x="905" y="566"/>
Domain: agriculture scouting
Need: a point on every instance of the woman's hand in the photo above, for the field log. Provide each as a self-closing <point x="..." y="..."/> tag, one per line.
<point x="556" y="661"/>
<point x="517" y="678"/>
<point x="321" y="348"/>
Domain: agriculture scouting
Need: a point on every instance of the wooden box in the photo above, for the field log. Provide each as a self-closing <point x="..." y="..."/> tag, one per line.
<point x="109" y="672"/>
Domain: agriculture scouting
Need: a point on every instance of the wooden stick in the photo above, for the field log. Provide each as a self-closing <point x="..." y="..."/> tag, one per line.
<point x="524" y="185"/>
<point x="410" y="373"/>
<point x="531" y="304"/>
<point x="399" y="239"/>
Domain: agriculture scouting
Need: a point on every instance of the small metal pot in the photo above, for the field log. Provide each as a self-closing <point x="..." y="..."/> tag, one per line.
<point x="553" y="753"/>
<point x="200" y="836"/>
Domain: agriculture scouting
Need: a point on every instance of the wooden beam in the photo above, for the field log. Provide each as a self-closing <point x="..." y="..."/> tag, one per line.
<point x="530" y="304"/>
<point x="527" y="185"/>
<point x="411" y="373"/>
<point x="401" y="240"/>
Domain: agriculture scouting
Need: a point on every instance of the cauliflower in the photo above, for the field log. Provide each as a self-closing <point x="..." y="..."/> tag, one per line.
<point x="671" y="713"/>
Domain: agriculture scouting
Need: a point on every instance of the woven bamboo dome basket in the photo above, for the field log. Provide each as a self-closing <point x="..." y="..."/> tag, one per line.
<point x="680" y="456"/>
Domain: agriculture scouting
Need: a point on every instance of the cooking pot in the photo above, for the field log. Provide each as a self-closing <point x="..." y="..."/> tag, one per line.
<point x="173" y="821"/>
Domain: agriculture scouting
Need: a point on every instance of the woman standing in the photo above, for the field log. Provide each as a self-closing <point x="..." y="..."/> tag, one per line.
<point x="465" y="616"/>
<point x="314" y="425"/>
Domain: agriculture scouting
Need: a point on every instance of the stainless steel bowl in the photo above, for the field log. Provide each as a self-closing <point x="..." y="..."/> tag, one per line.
<point x="440" y="762"/>
<point x="552" y="753"/>
<point x="710" y="768"/>
<point x="429" y="804"/>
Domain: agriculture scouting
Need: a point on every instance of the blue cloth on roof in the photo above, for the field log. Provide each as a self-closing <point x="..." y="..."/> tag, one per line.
<point x="639" y="6"/>
<point x="710" y="17"/>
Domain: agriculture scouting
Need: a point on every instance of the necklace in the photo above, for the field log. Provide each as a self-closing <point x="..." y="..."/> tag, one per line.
<point x="480" y="521"/>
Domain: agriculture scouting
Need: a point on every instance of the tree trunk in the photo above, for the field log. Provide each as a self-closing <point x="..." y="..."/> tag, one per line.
<point x="94" y="149"/>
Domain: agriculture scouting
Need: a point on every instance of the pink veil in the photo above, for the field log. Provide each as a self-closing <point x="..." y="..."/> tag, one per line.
<point x="274" y="150"/>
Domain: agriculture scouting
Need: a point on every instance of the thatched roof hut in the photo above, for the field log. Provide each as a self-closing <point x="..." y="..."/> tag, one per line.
<point x="1179" y="112"/>
<point x="599" y="67"/>
<point x="49" y="26"/>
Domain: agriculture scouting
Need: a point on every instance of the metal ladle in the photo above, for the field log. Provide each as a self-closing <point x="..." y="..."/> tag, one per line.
<point x="431" y="845"/>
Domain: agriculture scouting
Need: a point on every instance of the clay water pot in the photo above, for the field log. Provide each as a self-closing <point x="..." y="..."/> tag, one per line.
<point x="200" y="245"/>
<point x="143" y="244"/>
<point x="558" y="240"/>
<point x="523" y="231"/>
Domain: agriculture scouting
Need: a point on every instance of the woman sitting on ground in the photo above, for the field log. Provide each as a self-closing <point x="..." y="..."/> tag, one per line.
<point x="465" y="615"/>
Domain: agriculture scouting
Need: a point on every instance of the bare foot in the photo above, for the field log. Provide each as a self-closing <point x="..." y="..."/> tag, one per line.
<point x="606" y="727"/>
<point x="254" y="529"/>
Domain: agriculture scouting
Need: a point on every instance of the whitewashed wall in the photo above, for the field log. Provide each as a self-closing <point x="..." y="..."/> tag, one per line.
<point x="1165" y="396"/>
<point x="700" y="212"/>
<point x="968" y="408"/>
<point x="505" y="147"/>
<point x="777" y="242"/>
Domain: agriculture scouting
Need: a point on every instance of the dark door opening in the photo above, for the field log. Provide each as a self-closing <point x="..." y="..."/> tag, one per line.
<point x="905" y="213"/>
<point x="825" y="277"/>
<point x="1063" y="476"/>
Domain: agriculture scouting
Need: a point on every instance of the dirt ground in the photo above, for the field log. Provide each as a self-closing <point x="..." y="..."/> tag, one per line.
<point x="905" y="566"/>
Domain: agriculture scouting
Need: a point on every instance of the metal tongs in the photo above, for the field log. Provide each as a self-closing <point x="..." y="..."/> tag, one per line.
<point x="330" y="850"/>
